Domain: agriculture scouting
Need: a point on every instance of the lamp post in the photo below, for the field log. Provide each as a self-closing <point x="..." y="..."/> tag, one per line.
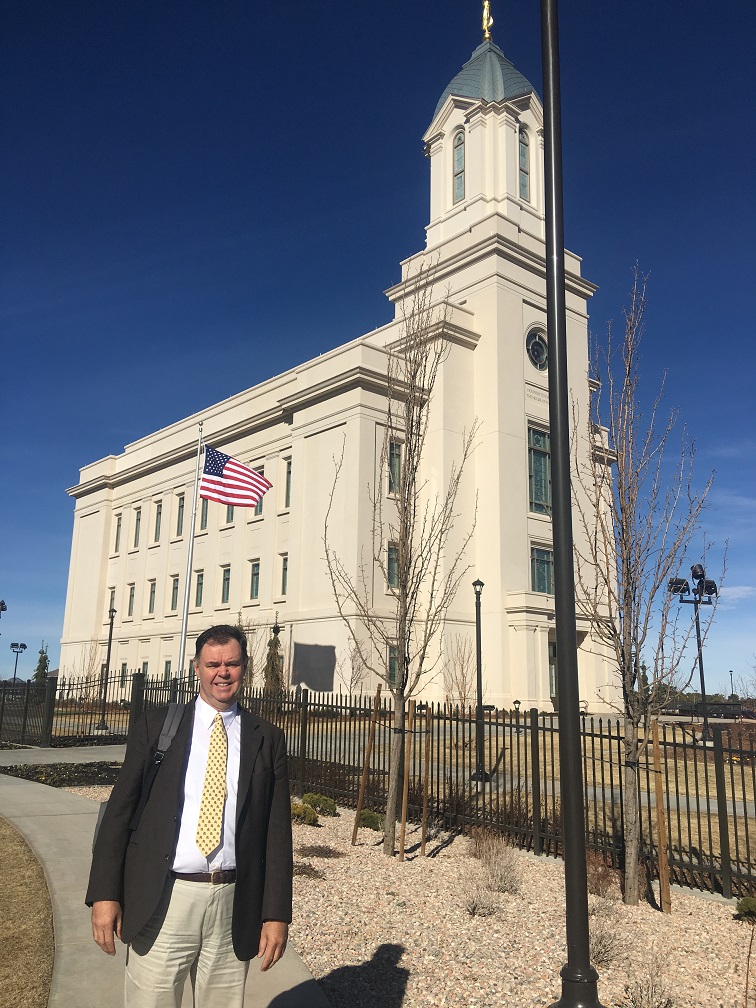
<point x="102" y="724"/>
<point x="480" y="772"/>
<point x="702" y="586"/>
<point x="17" y="649"/>
<point x="516" y="705"/>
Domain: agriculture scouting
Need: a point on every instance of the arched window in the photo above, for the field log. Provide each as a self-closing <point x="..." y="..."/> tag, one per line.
<point x="524" y="166"/>
<point x="459" y="167"/>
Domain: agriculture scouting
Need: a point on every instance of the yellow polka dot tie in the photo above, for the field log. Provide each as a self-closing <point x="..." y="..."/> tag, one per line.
<point x="210" y="822"/>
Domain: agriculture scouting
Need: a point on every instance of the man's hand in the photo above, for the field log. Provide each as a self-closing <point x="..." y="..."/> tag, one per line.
<point x="106" y="923"/>
<point x="273" y="940"/>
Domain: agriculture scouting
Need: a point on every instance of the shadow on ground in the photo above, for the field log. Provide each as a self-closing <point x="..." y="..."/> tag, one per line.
<point x="379" y="981"/>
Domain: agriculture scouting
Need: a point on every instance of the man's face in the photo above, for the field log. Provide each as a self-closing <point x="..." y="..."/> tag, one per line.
<point x="220" y="670"/>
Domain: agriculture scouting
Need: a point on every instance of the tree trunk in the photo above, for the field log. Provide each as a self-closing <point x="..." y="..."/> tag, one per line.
<point x="396" y="764"/>
<point x="631" y="813"/>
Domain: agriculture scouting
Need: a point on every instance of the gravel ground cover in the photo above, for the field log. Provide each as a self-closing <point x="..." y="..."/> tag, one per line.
<point x="393" y="934"/>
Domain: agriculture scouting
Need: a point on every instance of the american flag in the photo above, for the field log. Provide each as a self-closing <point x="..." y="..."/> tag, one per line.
<point x="228" y="481"/>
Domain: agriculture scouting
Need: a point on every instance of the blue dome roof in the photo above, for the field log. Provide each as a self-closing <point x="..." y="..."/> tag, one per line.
<point x="487" y="75"/>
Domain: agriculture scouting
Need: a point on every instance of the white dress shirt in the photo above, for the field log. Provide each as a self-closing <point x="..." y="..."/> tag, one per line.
<point x="188" y="857"/>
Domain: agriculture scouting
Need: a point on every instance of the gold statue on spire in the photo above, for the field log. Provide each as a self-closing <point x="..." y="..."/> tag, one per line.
<point x="487" y="20"/>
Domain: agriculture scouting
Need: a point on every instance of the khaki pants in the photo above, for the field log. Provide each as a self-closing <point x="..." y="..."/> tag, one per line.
<point x="188" y="935"/>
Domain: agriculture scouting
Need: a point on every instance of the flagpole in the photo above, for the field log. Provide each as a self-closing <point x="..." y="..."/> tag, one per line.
<point x="188" y="585"/>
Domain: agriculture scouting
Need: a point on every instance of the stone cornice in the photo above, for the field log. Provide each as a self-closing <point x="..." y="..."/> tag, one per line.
<point x="357" y="377"/>
<point x="495" y="244"/>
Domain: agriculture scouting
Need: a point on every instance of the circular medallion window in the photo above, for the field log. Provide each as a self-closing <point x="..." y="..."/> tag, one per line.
<point x="538" y="349"/>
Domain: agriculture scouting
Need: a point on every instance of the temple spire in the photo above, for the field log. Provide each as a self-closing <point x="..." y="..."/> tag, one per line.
<point x="487" y="20"/>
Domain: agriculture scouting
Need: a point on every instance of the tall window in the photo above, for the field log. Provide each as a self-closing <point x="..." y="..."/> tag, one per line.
<point x="203" y="514"/>
<point x="542" y="570"/>
<point x="229" y="513"/>
<point x="393" y="664"/>
<point x="392" y="566"/>
<point x="284" y="573"/>
<point x="145" y="667"/>
<point x="226" y="586"/>
<point x="539" y="471"/>
<point x="394" y="467"/>
<point x="130" y="606"/>
<point x="137" y="526"/>
<point x="524" y="166"/>
<point x="151" y="603"/>
<point x="111" y="601"/>
<point x="158" y="520"/>
<point x="117" y="543"/>
<point x="199" y="588"/>
<point x="259" y="505"/>
<point x="287" y="489"/>
<point x="167" y="670"/>
<point x="459" y="167"/>
<point x="174" y="592"/>
<point x="180" y="516"/>
<point x="254" y="583"/>
<point x="124" y="671"/>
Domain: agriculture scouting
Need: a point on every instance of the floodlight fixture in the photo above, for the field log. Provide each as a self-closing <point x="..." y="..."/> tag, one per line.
<point x="678" y="586"/>
<point x="710" y="587"/>
<point x="697" y="572"/>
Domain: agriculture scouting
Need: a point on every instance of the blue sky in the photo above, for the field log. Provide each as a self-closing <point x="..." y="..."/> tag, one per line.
<point x="198" y="196"/>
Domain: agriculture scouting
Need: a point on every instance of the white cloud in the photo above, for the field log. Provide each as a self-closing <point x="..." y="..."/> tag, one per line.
<point x="731" y="595"/>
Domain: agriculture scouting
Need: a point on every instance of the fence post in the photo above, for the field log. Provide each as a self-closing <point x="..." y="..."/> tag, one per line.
<point x="27" y="690"/>
<point x="3" y="690"/>
<point x="724" y="825"/>
<point x="51" y="691"/>
<point x="173" y="698"/>
<point x="302" y="741"/>
<point x="137" y="698"/>
<point x="536" y="782"/>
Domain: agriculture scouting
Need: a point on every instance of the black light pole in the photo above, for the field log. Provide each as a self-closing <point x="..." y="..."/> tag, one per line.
<point x="102" y="724"/>
<point x="17" y="649"/>
<point x="579" y="979"/>
<point x="732" y="688"/>
<point x="701" y="586"/>
<point x="480" y="772"/>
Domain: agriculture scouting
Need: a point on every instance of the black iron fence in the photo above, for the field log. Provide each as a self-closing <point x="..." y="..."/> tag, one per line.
<point x="709" y="785"/>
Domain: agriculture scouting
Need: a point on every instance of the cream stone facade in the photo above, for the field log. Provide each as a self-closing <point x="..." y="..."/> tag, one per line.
<point x="485" y="243"/>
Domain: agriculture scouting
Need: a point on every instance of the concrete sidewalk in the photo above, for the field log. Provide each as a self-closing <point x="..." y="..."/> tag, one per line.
<point x="59" y="826"/>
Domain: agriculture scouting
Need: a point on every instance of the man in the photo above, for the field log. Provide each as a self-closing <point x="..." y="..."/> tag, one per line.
<point x="203" y="884"/>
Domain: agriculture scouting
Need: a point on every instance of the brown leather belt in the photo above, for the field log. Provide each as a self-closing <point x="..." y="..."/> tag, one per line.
<point x="218" y="877"/>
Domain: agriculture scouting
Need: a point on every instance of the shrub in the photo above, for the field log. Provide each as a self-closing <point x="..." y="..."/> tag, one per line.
<point x="603" y="880"/>
<point x="479" y="902"/>
<point x="648" y="988"/>
<point x="501" y="864"/>
<point x="322" y="804"/>
<point x="371" y="820"/>
<point x="608" y="942"/>
<point x="302" y="813"/>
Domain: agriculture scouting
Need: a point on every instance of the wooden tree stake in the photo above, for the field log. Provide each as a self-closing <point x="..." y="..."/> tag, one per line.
<point x="426" y="774"/>
<point x="407" y="761"/>
<point x="366" y="764"/>
<point x="661" y="826"/>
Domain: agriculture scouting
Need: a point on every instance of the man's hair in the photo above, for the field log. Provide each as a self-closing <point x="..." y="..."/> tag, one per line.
<point x="222" y="634"/>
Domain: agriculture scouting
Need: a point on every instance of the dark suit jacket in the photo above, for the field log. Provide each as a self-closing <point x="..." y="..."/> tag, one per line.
<point x="132" y="868"/>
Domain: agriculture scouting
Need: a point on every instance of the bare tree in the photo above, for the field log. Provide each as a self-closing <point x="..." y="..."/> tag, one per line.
<point x="85" y="671"/>
<point x="257" y="634"/>
<point x="460" y="671"/>
<point x="350" y="670"/>
<point x="411" y="529"/>
<point x="638" y="514"/>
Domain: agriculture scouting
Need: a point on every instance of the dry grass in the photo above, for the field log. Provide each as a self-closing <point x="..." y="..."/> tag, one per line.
<point x="26" y="932"/>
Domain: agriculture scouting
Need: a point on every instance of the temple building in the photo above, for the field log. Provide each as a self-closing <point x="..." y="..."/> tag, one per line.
<point x="484" y="255"/>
